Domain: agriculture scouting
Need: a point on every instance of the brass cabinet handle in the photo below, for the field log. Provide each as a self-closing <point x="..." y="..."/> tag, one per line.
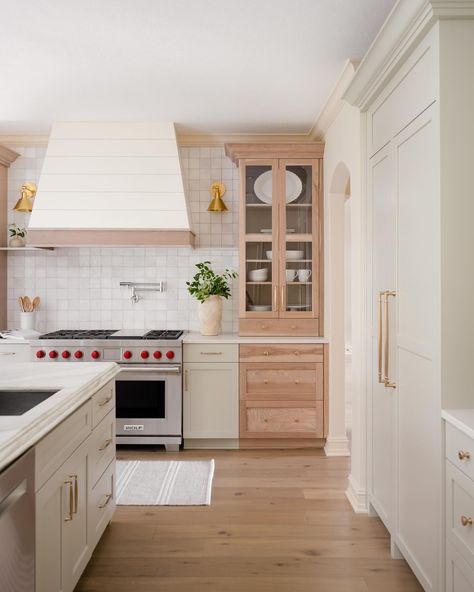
<point x="186" y="380"/>
<point x="7" y="353"/>
<point x="282" y="301"/>
<point x="380" y="337"/>
<point x="465" y="521"/>
<point x="464" y="455"/>
<point x="297" y="353"/>
<point x="105" y="401"/>
<point x="76" y="493"/>
<point x="265" y="381"/>
<point x="108" y="497"/>
<point x="293" y="327"/>
<point x="69" y="516"/>
<point x="263" y="326"/>
<point x="297" y="381"/>
<point x="387" y="382"/>
<point x="211" y="353"/>
<point x="106" y="444"/>
<point x="265" y="353"/>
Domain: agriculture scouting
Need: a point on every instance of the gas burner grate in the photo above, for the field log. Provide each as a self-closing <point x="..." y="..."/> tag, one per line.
<point x="162" y="334"/>
<point x="79" y="334"/>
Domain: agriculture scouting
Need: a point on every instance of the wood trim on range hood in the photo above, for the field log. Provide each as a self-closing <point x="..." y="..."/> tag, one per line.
<point x="110" y="238"/>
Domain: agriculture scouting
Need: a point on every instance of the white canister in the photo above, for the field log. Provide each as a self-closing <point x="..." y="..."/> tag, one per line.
<point x="27" y="320"/>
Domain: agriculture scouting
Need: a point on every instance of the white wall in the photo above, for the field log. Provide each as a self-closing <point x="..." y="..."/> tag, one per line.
<point x="79" y="287"/>
<point x="343" y="145"/>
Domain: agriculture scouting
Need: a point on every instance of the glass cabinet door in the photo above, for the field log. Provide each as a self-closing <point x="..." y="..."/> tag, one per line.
<point x="298" y="266"/>
<point x="260" y="239"/>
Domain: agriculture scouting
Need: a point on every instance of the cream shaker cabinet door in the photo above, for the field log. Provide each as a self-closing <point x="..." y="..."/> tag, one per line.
<point x="14" y="352"/>
<point x="418" y="393"/>
<point x="382" y="408"/>
<point x="211" y="400"/>
<point x="62" y="546"/>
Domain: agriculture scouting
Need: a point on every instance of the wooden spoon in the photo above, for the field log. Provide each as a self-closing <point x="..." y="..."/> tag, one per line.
<point x="20" y="302"/>
<point x="27" y="302"/>
<point x="36" y="302"/>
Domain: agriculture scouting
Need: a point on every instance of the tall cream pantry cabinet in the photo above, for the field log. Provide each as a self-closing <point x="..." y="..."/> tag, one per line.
<point x="415" y="90"/>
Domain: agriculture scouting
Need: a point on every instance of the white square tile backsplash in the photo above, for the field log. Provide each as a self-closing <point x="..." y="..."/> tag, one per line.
<point x="79" y="287"/>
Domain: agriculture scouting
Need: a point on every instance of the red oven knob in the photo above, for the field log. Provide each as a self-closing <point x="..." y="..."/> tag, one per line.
<point x="127" y="354"/>
<point x="66" y="354"/>
<point x="78" y="354"/>
<point x="170" y="355"/>
<point x="157" y="355"/>
<point x="40" y="354"/>
<point x="95" y="355"/>
<point x="145" y="355"/>
<point x="53" y="354"/>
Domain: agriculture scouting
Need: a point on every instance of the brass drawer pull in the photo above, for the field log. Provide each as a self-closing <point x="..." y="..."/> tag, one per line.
<point x="297" y="353"/>
<point x="69" y="516"/>
<point x="76" y="493"/>
<point x="108" y="497"/>
<point x="105" y="401"/>
<point x="265" y="353"/>
<point x="265" y="381"/>
<point x="211" y="353"/>
<point x="465" y="521"/>
<point x="297" y="381"/>
<point x="106" y="444"/>
<point x="463" y="455"/>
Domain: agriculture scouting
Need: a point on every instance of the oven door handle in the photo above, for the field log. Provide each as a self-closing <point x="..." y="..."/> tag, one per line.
<point x="164" y="370"/>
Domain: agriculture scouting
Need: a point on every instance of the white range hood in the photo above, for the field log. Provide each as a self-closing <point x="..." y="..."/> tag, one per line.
<point x="111" y="183"/>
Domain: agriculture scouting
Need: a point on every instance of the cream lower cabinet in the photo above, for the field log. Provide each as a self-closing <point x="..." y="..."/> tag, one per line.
<point x="75" y="495"/>
<point x="14" y="352"/>
<point x="211" y="391"/>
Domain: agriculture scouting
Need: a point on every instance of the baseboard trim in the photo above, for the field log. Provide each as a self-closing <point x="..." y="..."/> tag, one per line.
<point x="211" y="443"/>
<point x="337" y="447"/>
<point x="357" y="497"/>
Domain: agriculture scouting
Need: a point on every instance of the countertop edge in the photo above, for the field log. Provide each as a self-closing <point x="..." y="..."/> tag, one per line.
<point x="31" y="434"/>
<point x="195" y="337"/>
<point x="454" y="417"/>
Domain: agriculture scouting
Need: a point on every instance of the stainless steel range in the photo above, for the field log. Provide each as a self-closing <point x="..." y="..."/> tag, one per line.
<point x="149" y="386"/>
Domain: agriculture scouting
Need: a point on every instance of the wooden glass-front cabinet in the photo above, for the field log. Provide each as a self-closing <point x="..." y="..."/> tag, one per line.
<point x="281" y="236"/>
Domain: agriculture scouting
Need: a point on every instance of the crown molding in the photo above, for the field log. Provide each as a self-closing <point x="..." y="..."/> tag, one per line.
<point x="24" y="140"/>
<point x="334" y="102"/>
<point x="7" y="156"/>
<point x="405" y="25"/>
<point x="203" y="139"/>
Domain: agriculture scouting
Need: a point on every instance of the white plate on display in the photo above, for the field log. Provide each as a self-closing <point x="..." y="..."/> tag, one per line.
<point x="298" y="306"/>
<point x="260" y="307"/>
<point x="263" y="187"/>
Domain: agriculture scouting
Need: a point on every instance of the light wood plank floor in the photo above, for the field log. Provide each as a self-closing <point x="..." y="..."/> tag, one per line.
<point x="279" y="522"/>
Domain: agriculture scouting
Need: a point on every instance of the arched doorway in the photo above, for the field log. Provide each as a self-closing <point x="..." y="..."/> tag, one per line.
<point x="339" y="306"/>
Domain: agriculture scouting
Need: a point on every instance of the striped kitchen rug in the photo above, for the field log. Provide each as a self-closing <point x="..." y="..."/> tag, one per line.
<point x="164" y="482"/>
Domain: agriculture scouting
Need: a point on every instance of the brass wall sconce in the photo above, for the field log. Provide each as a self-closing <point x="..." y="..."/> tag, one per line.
<point x="25" y="203"/>
<point x="217" y="204"/>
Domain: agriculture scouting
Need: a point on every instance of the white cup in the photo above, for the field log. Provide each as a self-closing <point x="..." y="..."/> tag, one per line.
<point x="27" y="320"/>
<point x="304" y="275"/>
<point x="290" y="275"/>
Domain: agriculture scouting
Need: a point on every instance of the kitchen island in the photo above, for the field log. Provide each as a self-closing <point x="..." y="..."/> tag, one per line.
<point x="57" y="461"/>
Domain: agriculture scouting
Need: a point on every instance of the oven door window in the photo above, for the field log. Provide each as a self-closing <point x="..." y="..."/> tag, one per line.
<point x="140" y="399"/>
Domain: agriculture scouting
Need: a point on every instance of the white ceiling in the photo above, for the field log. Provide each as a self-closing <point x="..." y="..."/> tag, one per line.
<point x="257" y="66"/>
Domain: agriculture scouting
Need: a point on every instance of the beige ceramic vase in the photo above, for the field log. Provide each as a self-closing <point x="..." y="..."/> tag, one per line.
<point x="210" y="315"/>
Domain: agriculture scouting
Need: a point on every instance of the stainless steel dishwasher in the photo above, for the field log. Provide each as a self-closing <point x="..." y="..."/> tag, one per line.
<point x="17" y="525"/>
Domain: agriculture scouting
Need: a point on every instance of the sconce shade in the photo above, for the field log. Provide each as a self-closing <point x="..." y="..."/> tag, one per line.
<point x="24" y="204"/>
<point x="217" y="204"/>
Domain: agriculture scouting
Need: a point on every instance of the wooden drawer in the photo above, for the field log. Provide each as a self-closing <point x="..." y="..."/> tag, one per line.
<point x="101" y="504"/>
<point x="210" y="352"/>
<point x="281" y="419"/>
<point x="302" y="327"/>
<point x="459" y="574"/>
<point x="281" y="381"/>
<point x="55" y="448"/>
<point x="102" y="447"/>
<point x="460" y="450"/>
<point x="282" y="353"/>
<point x="460" y="511"/>
<point x="103" y="402"/>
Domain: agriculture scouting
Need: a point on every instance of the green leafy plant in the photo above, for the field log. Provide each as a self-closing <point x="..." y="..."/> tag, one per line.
<point x="206" y="283"/>
<point x="15" y="230"/>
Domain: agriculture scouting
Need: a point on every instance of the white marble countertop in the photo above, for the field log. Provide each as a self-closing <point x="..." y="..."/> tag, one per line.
<point x="75" y="384"/>
<point x="463" y="419"/>
<point x="195" y="337"/>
